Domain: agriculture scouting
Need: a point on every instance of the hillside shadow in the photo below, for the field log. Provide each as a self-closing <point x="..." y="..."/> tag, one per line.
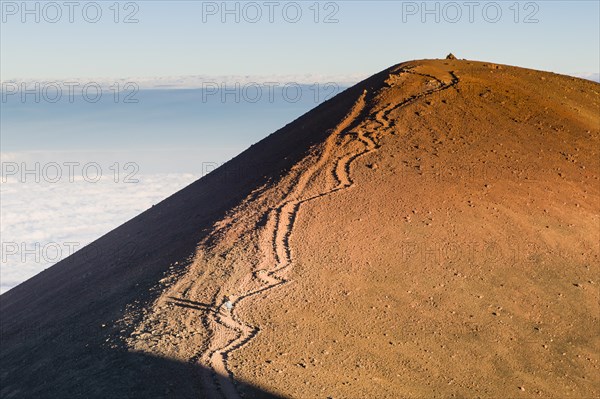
<point x="115" y="375"/>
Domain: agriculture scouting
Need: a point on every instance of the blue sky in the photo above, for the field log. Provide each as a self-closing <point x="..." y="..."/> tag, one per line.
<point x="171" y="38"/>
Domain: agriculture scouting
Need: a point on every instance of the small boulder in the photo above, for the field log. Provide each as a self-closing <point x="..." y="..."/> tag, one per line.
<point x="450" y="57"/>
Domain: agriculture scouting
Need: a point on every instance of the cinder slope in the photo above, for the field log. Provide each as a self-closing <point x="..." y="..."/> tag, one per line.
<point x="431" y="232"/>
<point x="464" y="259"/>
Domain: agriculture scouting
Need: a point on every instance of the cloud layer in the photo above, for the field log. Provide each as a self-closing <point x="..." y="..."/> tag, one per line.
<point x="44" y="222"/>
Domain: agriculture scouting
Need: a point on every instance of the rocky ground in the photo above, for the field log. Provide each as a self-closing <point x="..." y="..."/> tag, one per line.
<point x="431" y="232"/>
